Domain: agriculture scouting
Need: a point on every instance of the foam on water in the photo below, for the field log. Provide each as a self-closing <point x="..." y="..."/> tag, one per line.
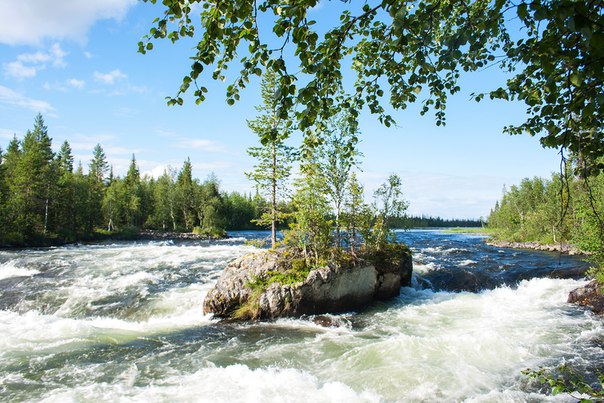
<point x="11" y="269"/>
<point x="124" y="323"/>
<point x="236" y="383"/>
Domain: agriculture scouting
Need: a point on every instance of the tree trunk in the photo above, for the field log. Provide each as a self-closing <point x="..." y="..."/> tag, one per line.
<point x="274" y="199"/>
<point x="45" y="216"/>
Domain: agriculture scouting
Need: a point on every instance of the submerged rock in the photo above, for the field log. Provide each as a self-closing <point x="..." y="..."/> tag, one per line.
<point x="243" y="292"/>
<point x="589" y="296"/>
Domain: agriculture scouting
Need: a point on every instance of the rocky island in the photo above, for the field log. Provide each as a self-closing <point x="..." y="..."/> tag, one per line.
<point x="268" y="285"/>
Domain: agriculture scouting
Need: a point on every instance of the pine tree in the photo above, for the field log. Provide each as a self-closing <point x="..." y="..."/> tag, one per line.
<point x="273" y="157"/>
<point x="185" y="192"/>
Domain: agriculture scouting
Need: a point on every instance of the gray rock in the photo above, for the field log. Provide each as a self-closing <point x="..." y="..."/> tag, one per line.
<point x="589" y="296"/>
<point x="325" y="290"/>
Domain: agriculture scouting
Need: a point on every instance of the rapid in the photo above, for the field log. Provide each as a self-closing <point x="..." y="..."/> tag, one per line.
<point x="123" y="322"/>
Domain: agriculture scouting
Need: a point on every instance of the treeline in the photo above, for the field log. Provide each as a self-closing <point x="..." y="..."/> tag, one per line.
<point x="567" y="209"/>
<point x="433" y="222"/>
<point x="44" y="197"/>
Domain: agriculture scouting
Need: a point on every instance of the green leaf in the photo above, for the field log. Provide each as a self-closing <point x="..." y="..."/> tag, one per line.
<point x="521" y="10"/>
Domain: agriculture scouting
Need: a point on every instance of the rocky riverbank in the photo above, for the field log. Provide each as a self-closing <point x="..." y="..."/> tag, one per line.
<point x="561" y="247"/>
<point x="260" y="286"/>
<point x="151" y="235"/>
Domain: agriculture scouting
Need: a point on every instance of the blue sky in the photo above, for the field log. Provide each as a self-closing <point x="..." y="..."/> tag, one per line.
<point x="76" y="62"/>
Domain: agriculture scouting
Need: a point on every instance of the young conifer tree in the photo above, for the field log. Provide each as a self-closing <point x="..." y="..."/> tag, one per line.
<point x="273" y="156"/>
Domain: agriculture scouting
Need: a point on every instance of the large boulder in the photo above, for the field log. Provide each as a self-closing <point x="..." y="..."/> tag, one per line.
<point x="243" y="292"/>
<point x="590" y="296"/>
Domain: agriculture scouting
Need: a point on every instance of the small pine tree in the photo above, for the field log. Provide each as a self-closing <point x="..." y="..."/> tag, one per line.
<point x="273" y="157"/>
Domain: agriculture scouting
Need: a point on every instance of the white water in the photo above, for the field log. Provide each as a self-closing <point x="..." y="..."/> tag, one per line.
<point x="124" y="323"/>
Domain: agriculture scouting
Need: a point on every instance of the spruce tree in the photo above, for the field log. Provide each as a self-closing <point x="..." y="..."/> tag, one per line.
<point x="132" y="190"/>
<point x="65" y="157"/>
<point x="65" y="188"/>
<point x="185" y="191"/>
<point x="33" y="181"/>
<point x="96" y="190"/>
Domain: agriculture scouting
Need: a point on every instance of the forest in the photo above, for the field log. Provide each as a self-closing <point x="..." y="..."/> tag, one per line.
<point x="566" y="208"/>
<point x="45" y="197"/>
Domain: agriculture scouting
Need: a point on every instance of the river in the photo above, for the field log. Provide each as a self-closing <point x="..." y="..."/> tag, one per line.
<point x="123" y="322"/>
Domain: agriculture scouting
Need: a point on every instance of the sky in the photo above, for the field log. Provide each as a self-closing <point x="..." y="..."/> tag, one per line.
<point x="76" y="63"/>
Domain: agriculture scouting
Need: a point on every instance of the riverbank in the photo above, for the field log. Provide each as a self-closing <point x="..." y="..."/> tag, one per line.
<point x="564" y="248"/>
<point x="129" y="234"/>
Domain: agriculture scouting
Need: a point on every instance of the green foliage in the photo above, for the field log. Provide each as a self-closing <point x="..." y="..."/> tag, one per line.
<point x="273" y="156"/>
<point x="310" y="231"/>
<point x="337" y="157"/>
<point x="570" y="382"/>
<point x="403" y="52"/>
<point x="564" y="209"/>
<point x="211" y="232"/>
<point x="357" y="216"/>
<point x="426" y="221"/>
<point x="44" y="200"/>
<point x="389" y="204"/>
<point x="544" y="211"/>
<point x="293" y="270"/>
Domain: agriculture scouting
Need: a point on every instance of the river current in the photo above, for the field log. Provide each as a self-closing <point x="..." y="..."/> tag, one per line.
<point x="123" y="322"/>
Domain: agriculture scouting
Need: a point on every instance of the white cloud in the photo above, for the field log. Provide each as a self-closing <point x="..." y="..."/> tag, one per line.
<point x="110" y="78"/>
<point x="33" y="21"/>
<point x="201" y="145"/>
<point x="65" y="86"/>
<point x="58" y="55"/>
<point x="34" y="58"/>
<point x="156" y="171"/>
<point x="75" y="83"/>
<point x="10" y="97"/>
<point x="27" y="65"/>
<point x="19" y="71"/>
